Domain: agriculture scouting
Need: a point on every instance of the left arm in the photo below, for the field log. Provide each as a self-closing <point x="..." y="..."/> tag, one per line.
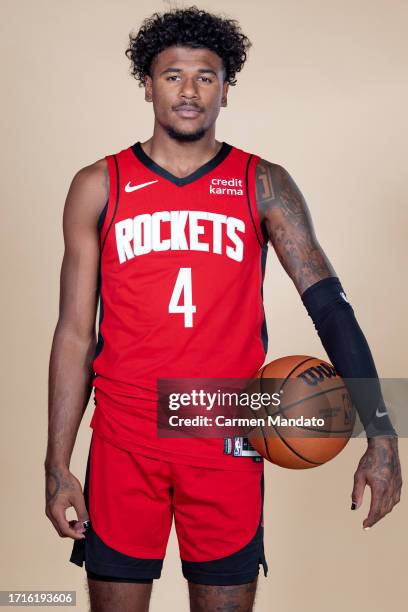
<point x="284" y="212"/>
<point x="285" y="216"/>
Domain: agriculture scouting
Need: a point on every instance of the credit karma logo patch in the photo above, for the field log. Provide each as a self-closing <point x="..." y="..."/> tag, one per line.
<point x="224" y="186"/>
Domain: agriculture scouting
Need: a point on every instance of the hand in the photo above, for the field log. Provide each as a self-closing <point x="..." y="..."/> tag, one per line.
<point x="380" y="468"/>
<point x="62" y="491"/>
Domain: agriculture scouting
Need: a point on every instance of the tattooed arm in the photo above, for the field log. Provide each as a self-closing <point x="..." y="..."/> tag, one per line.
<point x="284" y="215"/>
<point x="70" y="371"/>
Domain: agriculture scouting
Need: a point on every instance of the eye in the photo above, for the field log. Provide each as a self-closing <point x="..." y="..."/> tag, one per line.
<point x="172" y="77"/>
<point x="205" y="79"/>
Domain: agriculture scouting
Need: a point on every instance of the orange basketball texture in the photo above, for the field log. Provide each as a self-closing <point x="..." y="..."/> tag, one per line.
<point x="317" y="391"/>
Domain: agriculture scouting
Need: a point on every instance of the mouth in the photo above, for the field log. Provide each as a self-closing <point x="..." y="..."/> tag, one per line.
<point x="188" y="112"/>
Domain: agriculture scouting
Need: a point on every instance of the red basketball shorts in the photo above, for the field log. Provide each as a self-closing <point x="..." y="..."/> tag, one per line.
<point x="131" y="500"/>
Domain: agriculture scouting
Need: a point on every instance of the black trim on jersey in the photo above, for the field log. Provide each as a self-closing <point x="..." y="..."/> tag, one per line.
<point x="116" y="203"/>
<point x="177" y="180"/>
<point x="101" y="221"/>
<point x="102" y="216"/>
<point x="265" y="233"/>
<point x="264" y="329"/>
<point x="248" y="199"/>
<point x="100" y="342"/>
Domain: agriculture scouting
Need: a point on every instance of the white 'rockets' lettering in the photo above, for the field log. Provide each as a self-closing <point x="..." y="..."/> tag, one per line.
<point x="143" y="234"/>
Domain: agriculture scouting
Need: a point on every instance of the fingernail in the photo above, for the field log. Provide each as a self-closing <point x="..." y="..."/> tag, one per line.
<point x="365" y="528"/>
<point x="353" y="505"/>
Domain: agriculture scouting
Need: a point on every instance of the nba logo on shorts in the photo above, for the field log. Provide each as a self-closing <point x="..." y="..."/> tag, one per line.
<point x="237" y="446"/>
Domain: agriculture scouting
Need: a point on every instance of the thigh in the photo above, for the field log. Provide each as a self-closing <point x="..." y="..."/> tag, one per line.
<point x="107" y="595"/>
<point x="206" y="598"/>
<point x="128" y="498"/>
<point x="219" y="523"/>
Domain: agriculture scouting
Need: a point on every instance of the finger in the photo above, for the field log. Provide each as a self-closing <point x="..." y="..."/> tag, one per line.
<point x="64" y="526"/>
<point x="377" y="503"/>
<point x="78" y="526"/>
<point x="358" y="490"/>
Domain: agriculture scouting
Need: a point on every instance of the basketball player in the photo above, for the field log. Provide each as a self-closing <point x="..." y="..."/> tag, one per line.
<point x="171" y="236"/>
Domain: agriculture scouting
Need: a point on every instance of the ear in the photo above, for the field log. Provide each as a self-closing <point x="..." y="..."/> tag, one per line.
<point x="148" y="88"/>
<point x="224" y="99"/>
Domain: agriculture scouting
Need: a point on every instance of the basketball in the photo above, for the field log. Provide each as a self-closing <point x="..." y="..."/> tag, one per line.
<point x="314" y="396"/>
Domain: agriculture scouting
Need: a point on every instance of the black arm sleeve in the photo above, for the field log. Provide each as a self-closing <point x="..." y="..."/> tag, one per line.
<point x="348" y="351"/>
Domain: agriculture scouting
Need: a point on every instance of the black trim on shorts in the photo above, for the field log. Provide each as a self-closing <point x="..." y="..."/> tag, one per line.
<point x="242" y="567"/>
<point x="114" y="579"/>
<point x="105" y="562"/>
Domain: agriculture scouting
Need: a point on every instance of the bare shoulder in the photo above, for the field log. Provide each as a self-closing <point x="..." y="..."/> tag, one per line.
<point x="88" y="193"/>
<point x="98" y="167"/>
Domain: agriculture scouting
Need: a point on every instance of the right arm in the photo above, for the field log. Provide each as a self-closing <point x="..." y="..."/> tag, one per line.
<point x="74" y="342"/>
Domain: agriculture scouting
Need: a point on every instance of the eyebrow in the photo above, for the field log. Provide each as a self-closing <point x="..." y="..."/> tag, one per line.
<point x="200" y="70"/>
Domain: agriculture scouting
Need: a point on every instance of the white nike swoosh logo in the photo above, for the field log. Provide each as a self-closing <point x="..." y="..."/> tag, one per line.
<point x="380" y="414"/>
<point x="129" y="188"/>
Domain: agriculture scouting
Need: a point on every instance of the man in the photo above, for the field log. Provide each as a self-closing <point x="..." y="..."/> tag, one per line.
<point x="171" y="235"/>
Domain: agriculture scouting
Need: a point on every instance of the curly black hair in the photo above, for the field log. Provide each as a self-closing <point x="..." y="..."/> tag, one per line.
<point x="189" y="27"/>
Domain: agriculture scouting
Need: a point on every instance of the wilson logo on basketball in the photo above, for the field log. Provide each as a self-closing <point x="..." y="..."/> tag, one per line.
<point x="316" y="374"/>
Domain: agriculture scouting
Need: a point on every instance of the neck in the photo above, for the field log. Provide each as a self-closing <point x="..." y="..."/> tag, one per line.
<point x="180" y="158"/>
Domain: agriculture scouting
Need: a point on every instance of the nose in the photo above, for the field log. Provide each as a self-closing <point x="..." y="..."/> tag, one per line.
<point x="188" y="89"/>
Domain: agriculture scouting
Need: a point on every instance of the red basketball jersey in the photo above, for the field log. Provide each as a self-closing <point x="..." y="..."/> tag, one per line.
<point x="181" y="273"/>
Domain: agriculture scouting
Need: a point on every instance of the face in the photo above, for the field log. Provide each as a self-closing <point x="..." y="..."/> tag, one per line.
<point x="187" y="89"/>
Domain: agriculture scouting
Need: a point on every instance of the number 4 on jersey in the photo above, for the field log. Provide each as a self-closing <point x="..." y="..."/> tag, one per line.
<point x="183" y="284"/>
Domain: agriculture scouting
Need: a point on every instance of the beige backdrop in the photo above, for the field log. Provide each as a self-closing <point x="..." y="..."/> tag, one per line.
<point x="324" y="93"/>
